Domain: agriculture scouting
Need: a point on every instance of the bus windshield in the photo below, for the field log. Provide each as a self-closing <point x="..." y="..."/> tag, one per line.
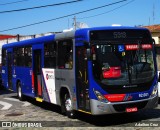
<point x="122" y="64"/>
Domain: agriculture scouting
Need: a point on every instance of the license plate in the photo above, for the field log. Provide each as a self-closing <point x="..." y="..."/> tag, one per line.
<point x="133" y="109"/>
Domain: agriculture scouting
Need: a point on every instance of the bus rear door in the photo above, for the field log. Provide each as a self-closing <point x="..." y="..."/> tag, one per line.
<point x="37" y="72"/>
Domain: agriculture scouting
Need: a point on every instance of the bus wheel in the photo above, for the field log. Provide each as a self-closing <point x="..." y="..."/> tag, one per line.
<point x="68" y="106"/>
<point x="19" y="92"/>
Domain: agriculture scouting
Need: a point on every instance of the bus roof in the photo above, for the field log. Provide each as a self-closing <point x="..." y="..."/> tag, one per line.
<point x="113" y="28"/>
<point x="30" y="41"/>
<point x="70" y="34"/>
<point x="81" y="32"/>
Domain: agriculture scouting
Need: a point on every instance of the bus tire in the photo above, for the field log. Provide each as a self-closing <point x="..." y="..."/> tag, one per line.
<point x="19" y="92"/>
<point x="68" y="106"/>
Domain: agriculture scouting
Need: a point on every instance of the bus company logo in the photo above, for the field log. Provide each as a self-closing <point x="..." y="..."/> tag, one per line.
<point x="49" y="76"/>
<point x="129" y="97"/>
<point x="130" y="86"/>
<point x="142" y="95"/>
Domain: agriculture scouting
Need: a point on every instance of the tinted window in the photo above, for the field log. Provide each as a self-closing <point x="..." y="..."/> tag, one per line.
<point x="65" y="54"/>
<point x="50" y="55"/>
<point x="4" y="56"/>
<point x="23" y="56"/>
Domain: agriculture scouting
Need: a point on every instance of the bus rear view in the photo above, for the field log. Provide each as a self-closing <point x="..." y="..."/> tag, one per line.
<point x="124" y="72"/>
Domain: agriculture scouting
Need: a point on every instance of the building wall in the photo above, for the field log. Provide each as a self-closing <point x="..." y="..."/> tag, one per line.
<point x="157" y="40"/>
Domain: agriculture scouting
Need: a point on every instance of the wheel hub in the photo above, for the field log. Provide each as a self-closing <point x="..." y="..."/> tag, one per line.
<point x="68" y="105"/>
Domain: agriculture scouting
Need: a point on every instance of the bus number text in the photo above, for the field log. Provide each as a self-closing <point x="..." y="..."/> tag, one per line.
<point x="119" y="34"/>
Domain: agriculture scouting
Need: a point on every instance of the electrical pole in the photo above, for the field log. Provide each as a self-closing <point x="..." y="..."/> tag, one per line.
<point x="68" y="23"/>
<point x="153" y="12"/>
<point x="74" y="22"/>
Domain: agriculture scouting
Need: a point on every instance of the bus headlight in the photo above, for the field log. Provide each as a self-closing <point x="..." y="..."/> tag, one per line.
<point x="100" y="97"/>
<point x="155" y="91"/>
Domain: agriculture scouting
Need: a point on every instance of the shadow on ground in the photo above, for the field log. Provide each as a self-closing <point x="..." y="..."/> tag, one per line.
<point x="3" y="91"/>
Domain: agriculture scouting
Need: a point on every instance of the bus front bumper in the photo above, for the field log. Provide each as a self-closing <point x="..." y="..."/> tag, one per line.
<point x="100" y="108"/>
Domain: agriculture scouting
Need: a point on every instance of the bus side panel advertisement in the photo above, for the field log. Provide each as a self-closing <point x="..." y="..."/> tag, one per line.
<point x="49" y="78"/>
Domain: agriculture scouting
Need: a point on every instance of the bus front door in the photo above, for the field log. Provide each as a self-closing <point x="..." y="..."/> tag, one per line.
<point x="82" y="86"/>
<point x="9" y="64"/>
<point x="37" y="73"/>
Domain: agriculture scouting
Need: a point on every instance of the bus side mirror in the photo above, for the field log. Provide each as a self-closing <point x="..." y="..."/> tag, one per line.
<point x="154" y="46"/>
<point x="153" y="41"/>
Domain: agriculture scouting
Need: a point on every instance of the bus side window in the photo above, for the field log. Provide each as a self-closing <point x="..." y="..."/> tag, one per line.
<point x="28" y="56"/>
<point x="4" y="57"/>
<point x="65" y="54"/>
<point x="50" y="55"/>
<point x="19" y="56"/>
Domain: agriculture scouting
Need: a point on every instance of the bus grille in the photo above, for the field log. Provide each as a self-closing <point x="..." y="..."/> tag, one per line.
<point x="122" y="107"/>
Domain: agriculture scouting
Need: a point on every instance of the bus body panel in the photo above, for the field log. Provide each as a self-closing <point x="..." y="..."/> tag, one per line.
<point x="54" y="80"/>
<point x="5" y="77"/>
<point x="66" y="80"/>
<point x="100" y="108"/>
<point x="23" y="75"/>
<point x="159" y="84"/>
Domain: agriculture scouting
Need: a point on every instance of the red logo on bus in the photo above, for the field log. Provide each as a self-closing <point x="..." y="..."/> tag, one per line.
<point x="47" y="76"/>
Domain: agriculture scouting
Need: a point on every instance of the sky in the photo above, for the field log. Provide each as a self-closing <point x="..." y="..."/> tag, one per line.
<point x="127" y="13"/>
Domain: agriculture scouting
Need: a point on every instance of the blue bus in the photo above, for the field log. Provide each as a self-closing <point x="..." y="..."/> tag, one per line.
<point x="98" y="71"/>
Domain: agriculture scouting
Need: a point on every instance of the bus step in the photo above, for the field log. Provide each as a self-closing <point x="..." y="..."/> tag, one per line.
<point x="39" y="99"/>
